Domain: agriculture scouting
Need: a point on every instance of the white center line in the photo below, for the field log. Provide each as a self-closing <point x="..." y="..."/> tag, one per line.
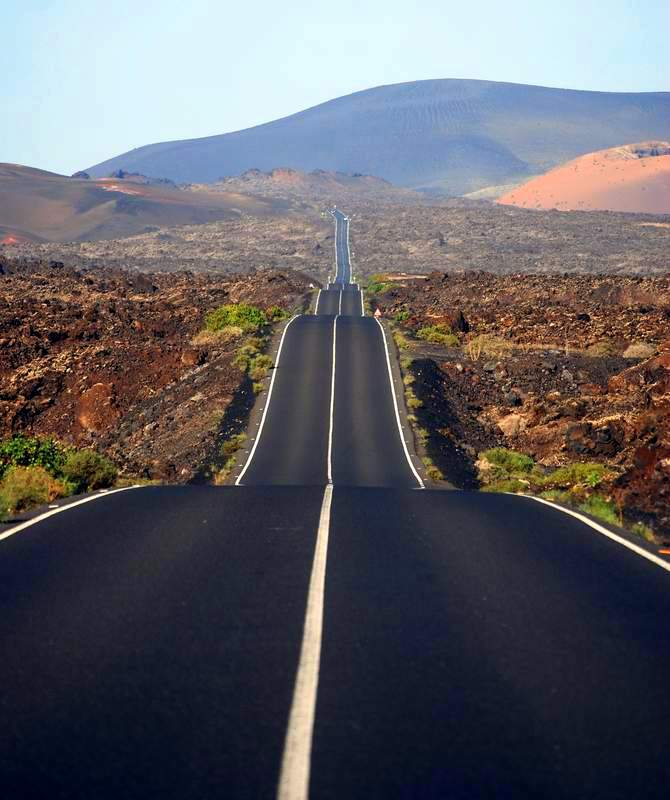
<point x="296" y="760"/>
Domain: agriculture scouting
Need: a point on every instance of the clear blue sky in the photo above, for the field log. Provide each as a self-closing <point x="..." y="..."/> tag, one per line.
<point x="83" y="80"/>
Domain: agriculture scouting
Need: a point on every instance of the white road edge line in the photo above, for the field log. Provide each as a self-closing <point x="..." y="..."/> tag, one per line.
<point x="28" y="523"/>
<point x="362" y="305"/>
<point x="318" y="297"/>
<point x="395" y="405"/>
<point x="605" y="532"/>
<point x="339" y="307"/>
<point x="296" y="759"/>
<point x="332" y="405"/>
<point x="267" y="403"/>
<point x="349" y="252"/>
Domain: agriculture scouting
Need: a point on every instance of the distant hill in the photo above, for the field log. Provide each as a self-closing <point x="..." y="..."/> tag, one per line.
<point x="318" y="186"/>
<point x="634" y="177"/>
<point x="41" y="206"/>
<point x="455" y="135"/>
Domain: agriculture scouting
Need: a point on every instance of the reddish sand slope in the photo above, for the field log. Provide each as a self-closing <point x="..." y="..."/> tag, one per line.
<point x="634" y="177"/>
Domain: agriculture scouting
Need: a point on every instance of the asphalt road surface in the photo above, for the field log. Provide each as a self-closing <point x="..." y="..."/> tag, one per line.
<point x="329" y="628"/>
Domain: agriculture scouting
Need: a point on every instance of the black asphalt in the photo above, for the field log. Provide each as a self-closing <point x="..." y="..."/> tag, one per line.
<point x="474" y="646"/>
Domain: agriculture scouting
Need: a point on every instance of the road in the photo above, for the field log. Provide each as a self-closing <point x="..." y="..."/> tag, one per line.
<point x="328" y="627"/>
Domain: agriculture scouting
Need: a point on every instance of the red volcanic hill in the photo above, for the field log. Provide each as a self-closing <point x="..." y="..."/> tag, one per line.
<point x="36" y="205"/>
<point x="633" y="177"/>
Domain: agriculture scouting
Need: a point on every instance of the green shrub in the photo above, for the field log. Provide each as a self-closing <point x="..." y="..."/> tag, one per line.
<point x="23" y="487"/>
<point x="509" y="460"/>
<point x="31" y="451"/>
<point x="513" y="485"/>
<point x="401" y="316"/>
<point x="259" y="366"/>
<point x="86" y="470"/>
<point x="644" y="531"/>
<point x="586" y="475"/>
<point x="276" y="314"/>
<point x="239" y="315"/>
<point x="232" y="445"/>
<point x="597" y="506"/>
<point x="378" y="284"/>
<point x="438" y="334"/>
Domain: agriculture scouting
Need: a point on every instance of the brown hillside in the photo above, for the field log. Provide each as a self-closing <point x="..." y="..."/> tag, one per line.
<point x="37" y="205"/>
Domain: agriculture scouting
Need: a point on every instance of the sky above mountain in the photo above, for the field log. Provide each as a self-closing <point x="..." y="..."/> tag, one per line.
<point x="83" y="79"/>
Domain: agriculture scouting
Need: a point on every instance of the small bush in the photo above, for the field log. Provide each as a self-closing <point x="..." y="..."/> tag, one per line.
<point x="401" y="316"/>
<point x="509" y="460"/>
<point x="232" y="445"/>
<point x="605" y="510"/>
<point x="86" y="470"/>
<point x="640" y="529"/>
<point x="639" y="350"/>
<point x="586" y="475"/>
<point x="276" y="314"/>
<point x="23" y="487"/>
<point x="219" y="337"/>
<point x="378" y="284"/>
<point x="486" y="344"/>
<point x="438" y="334"/>
<point x="259" y="366"/>
<point x="31" y="451"/>
<point x="433" y="472"/>
<point x="240" y="315"/>
<point x="401" y="341"/>
<point x="513" y="485"/>
<point x="605" y="347"/>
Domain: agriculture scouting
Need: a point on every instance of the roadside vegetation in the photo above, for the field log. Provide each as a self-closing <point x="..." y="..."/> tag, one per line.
<point x="35" y="471"/>
<point x="581" y="485"/>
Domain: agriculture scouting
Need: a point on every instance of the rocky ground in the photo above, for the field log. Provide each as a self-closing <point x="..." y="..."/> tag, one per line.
<point x="112" y="359"/>
<point x="299" y="241"/>
<point x="456" y="235"/>
<point x="565" y="369"/>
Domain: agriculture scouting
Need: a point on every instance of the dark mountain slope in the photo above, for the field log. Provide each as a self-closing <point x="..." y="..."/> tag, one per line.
<point x="458" y="134"/>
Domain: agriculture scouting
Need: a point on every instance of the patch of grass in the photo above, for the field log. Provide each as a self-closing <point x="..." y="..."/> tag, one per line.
<point x="640" y="529"/>
<point x="405" y="363"/>
<point x="401" y="341"/>
<point x="227" y="334"/>
<point x="584" y="475"/>
<point x="438" y="334"/>
<point x="601" y="508"/>
<point x="85" y="470"/>
<point x="433" y="472"/>
<point x="276" y="314"/>
<point x="513" y="485"/>
<point x="240" y="315"/>
<point x="377" y="284"/>
<point x="401" y="316"/>
<point x="605" y="347"/>
<point x="259" y="366"/>
<point x="257" y="387"/>
<point x="509" y="460"/>
<point x="488" y="345"/>
<point x="232" y="445"/>
<point x="23" y="487"/>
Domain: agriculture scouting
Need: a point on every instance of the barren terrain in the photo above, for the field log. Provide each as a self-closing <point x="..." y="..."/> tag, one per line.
<point x="503" y="239"/>
<point x="112" y="359"/>
<point x="567" y="369"/>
